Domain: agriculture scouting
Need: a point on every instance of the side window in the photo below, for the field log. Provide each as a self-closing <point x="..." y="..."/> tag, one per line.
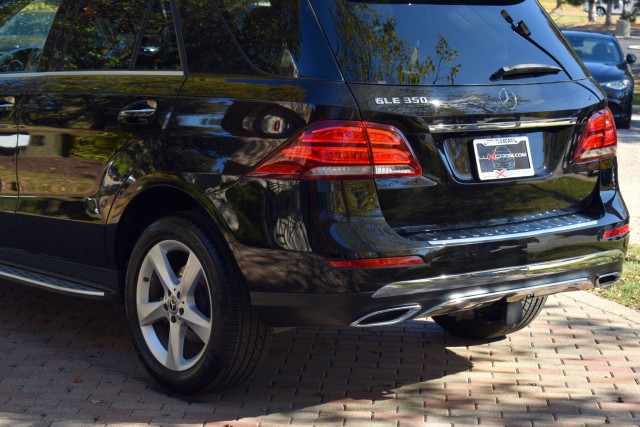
<point x="208" y="45"/>
<point x="24" y="27"/>
<point x="158" y="49"/>
<point x="268" y="32"/>
<point x="104" y="35"/>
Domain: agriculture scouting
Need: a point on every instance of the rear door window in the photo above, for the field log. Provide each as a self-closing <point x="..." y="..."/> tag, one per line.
<point x="103" y="36"/>
<point x="158" y="47"/>
<point x="439" y="42"/>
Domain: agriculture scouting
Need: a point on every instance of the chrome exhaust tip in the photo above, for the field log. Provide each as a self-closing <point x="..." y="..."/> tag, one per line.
<point x="606" y="280"/>
<point x="388" y="316"/>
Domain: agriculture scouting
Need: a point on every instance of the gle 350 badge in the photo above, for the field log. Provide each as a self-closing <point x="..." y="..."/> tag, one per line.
<point x="400" y="100"/>
<point x="501" y="158"/>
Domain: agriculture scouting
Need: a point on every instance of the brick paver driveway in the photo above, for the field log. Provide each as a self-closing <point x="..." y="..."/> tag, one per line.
<point x="70" y="362"/>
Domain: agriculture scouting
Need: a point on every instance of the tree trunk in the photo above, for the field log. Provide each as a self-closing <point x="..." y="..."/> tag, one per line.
<point x="559" y="4"/>
<point x="607" y="20"/>
<point x="590" y="13"/>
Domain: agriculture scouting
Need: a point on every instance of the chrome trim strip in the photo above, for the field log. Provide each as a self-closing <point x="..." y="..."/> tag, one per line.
<point x="46" y="285"/>
<point x="469" y="302"/>
<point x="465" y="127"/>
<point x="411" y="310"/>
<point x="114" y="73"/>
<point x="492" y="277"/>
<point x="524" y="234"/>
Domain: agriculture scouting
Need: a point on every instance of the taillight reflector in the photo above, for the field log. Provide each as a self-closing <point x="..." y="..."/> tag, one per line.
<point x="375" y="262"/>
<point x="342" y="150"/>
<point x="599" y="138"/>
<point x="616" y="232"/>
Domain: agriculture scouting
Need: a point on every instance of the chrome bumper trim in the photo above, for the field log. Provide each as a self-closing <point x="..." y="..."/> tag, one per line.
<point x="477" y="280"/>
<point x="469" y="302"/>
<point x="522" y="235"/>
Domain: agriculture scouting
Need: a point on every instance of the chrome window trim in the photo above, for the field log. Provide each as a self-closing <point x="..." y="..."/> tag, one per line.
<point x="114" y="73"/>
<point x="528" y="124"/>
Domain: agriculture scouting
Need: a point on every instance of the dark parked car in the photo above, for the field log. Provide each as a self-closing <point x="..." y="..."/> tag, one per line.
<point x="603" y="57"/>
<point x="224" y="167"/>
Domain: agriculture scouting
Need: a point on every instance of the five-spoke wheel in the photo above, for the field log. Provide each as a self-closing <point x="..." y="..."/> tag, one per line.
<point x="187" y="308"/>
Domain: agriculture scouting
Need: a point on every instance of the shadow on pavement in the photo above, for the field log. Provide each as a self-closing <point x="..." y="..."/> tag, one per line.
<point x="66" y="360"/>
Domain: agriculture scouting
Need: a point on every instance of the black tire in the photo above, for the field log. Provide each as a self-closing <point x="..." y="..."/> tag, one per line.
<point x="204" y="312"/>
<point x="600" y="11"/>
<point x="624" y="124"/>
<point x="487" y="323"/>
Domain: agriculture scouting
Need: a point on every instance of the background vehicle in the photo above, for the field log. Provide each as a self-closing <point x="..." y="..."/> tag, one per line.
<point x="224" y="168"/>
<point x="602" y="55"/>
<point x="619" y="7"/>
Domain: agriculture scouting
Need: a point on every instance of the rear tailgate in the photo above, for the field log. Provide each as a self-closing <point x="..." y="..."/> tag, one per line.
<point x="490" y="154"/>
<point x="490" y="96"/>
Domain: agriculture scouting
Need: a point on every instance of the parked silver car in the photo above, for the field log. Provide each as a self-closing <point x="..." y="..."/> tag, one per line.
<point x="619" y="7"/>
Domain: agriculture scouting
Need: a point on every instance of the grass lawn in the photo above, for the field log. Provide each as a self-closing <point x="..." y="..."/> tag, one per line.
<point x="627" y="290"/>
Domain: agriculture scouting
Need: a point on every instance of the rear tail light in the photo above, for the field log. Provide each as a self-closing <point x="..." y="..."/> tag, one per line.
<point x="342" y="150"/>
<point x="617" y="232"/>
<point x="599" y="138"/>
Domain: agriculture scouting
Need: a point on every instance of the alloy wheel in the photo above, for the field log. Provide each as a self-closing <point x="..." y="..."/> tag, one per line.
<point x="173" y="303"/>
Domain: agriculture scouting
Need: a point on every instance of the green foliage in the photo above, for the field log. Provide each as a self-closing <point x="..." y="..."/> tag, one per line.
<point x="627" y="290"/>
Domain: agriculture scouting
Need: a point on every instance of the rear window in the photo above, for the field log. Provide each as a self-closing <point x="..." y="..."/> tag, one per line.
<point x="439" y="42"/>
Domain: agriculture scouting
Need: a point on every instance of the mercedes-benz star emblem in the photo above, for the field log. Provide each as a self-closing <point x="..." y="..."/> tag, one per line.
<point x="508" y="99"/>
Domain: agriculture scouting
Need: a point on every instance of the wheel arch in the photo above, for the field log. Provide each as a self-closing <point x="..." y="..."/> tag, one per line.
<point x="147" y="203"/>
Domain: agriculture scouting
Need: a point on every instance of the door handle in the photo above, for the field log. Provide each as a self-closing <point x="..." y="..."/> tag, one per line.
<point x="138" y="113"/>
<point x="7" y="104"/>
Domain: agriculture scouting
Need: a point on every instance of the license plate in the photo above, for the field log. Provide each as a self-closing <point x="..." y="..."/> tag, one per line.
<point x="503" y="158"/>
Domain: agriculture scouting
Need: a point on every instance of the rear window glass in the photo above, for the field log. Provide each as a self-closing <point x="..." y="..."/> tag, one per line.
<point x="439" y="43"/>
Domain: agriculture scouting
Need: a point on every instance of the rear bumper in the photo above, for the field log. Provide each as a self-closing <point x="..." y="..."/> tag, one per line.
<point x="404" y="300"/>
<point x="285" y="266"/>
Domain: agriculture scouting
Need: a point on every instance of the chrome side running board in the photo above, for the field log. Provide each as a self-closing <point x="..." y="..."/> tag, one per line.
<point x="44" y="281"/>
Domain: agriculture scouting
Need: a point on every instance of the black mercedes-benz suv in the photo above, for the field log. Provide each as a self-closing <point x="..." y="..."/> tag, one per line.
<point x="224" y="167"/>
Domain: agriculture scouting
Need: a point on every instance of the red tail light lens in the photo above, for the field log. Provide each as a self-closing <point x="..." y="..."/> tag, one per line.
<point x="342" y="150"/>
<point x="376" y="262"/>
<point x="616" y="232"/>
<point x="599" y="138"/>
